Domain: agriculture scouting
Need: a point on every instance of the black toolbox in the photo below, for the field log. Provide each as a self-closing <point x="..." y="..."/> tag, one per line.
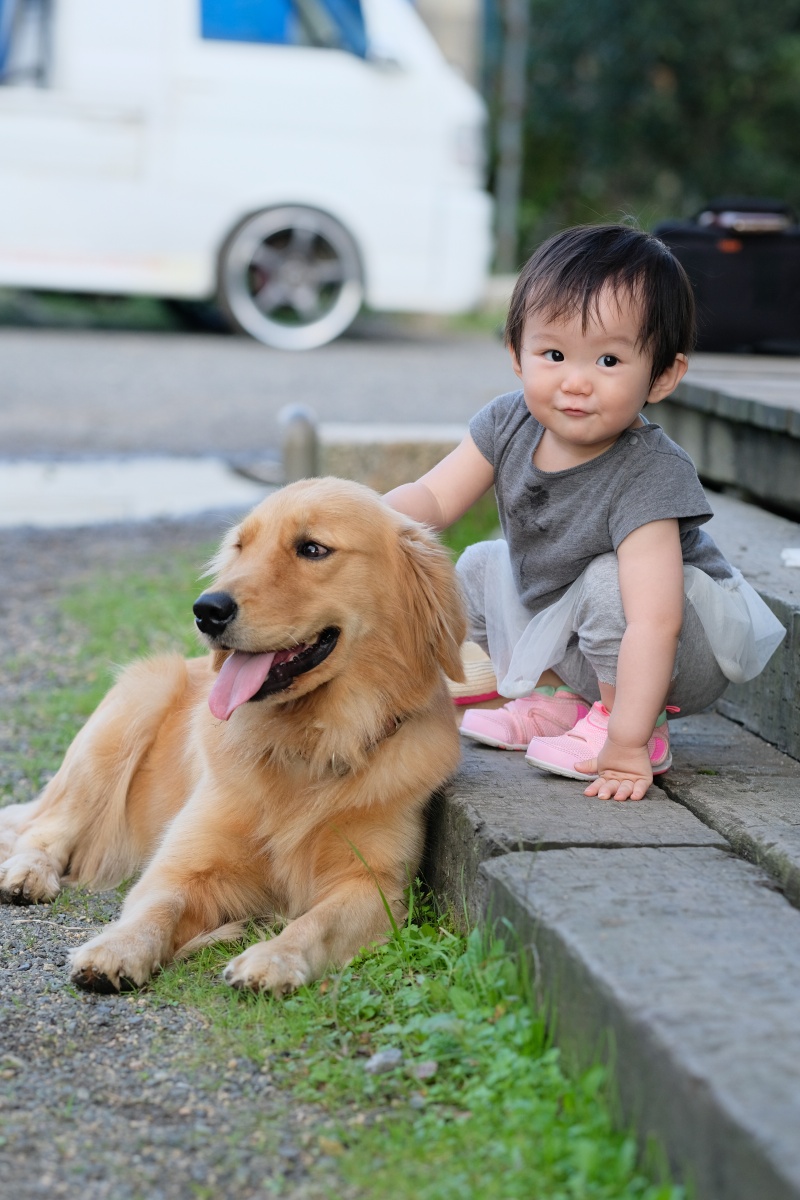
<point x="743" y="259"/>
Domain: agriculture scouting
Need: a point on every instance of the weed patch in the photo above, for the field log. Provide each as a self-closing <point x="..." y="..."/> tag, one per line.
<point x="478" y="523"/>
<point x="434" y="1067"/>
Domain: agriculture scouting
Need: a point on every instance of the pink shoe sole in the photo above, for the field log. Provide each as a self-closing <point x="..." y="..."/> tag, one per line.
<point x="512" y="726"/>
<point x="486" y="740"/>
<point x="558" y="755"/>
<point x="554" y="768"/>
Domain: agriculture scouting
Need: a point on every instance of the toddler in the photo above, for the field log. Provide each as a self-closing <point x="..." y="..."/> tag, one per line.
<point x="606" y="606"/>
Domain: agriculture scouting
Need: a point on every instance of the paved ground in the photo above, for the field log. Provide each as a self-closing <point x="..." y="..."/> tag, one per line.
<point x="86" y="392"/>
<point x="89" y="392"/>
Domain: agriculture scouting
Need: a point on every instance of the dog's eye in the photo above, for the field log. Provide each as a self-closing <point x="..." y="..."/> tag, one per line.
<point x="312" y="550"/>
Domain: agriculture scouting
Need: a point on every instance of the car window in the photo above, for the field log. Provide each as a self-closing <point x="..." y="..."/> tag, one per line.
<point x="328" y="24"/>
<point x="23" y="41"/>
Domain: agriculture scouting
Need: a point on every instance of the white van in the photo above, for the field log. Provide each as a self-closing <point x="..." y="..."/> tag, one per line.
<point x="293" y="158"/>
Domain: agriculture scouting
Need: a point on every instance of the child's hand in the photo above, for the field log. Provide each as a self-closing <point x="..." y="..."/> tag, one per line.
<point x="623" y="772"/>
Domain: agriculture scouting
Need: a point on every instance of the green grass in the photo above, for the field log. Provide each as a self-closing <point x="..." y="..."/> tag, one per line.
<point x="110" y="619"/>
<point x="478" y="524"/>
<point x="71" y="310"/>
<point x="480" y="1106"/>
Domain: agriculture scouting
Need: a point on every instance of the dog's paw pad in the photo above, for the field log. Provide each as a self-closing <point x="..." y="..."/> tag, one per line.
<point x="30" y="877"/>
<point x="262" y="968"/>
<point x="89" y="979"/>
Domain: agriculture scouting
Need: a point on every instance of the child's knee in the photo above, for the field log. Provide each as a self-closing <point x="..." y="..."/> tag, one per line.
<point x="600" y="603"/>
<point x="471" y="574"/>
<point x="602" y="572"/>
<point x="472" y="561"/>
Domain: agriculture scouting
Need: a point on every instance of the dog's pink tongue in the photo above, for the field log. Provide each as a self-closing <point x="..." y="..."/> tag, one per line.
<point x="241" y="676"/>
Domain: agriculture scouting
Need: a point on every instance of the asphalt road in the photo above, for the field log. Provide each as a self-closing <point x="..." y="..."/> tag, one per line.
<point x="92" y="392"/>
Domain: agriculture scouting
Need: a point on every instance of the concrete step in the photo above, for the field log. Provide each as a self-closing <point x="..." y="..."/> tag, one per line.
<point x="652" y="942"/>
<point x="739" y="418"/>
<point x="673" y="964"/>
<point x="744" y="789"/>
<point x="753" y="540"/>
<point x="498" y="804"/>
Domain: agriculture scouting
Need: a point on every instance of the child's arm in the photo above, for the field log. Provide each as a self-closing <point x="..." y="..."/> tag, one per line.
<point x="651" y="584"/>
<point x="444" y="493"/>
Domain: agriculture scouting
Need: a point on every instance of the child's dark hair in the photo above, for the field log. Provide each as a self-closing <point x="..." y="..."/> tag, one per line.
<point x="568" y="273"/>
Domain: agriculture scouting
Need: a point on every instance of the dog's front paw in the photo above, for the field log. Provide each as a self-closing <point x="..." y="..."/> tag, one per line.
<point x="8" y="841"/>
<point x="31" y="877"/>
<point x="266" y="967"/>
<point x="13" y="816"/>
<point x="113" y="962"/>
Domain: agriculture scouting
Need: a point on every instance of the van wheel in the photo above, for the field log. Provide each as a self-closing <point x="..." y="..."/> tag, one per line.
<point x="290" y="277"/>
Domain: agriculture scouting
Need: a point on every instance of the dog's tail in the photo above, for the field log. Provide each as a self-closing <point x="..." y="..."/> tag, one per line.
<point x="84" y="808"/>
<point x="234" y="931"/>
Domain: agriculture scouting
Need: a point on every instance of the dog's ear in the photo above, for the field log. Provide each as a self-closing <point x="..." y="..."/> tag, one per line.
<point x="433" y="597"/>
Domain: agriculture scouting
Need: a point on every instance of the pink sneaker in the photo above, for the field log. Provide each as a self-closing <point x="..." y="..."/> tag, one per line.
<point x="558" y="755"/>
<point x="546" y="713"/>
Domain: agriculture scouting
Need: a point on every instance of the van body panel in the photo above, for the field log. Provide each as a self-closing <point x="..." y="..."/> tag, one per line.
<point x="148" y="144"/>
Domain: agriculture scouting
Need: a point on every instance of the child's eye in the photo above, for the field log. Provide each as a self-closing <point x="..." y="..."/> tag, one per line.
<point x="553" y="356"/>
<point x="608" y="360"/>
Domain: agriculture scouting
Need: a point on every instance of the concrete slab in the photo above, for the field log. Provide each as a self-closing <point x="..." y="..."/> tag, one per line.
<point x="60" y="495"/>
<point x="497" y="804"/>
<point x="384" y="455"/>
<point x="769" y="380"/>
<point x="753" y="539"/>
<point x="739" y="418"/>
<point x="743" y="788"/>
<point x="681" y="965"/>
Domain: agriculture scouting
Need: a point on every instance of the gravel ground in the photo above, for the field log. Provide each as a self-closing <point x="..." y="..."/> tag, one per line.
<point x="104" y="1097"/>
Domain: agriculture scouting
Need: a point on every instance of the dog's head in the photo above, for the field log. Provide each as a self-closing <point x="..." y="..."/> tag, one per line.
<point x="323" y="582"/>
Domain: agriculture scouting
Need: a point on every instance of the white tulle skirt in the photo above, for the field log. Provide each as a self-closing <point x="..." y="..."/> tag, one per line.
<point x="742" y="631"/>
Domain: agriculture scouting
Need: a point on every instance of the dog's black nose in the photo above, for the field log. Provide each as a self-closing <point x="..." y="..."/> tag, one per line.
<point x="214" y="611"/>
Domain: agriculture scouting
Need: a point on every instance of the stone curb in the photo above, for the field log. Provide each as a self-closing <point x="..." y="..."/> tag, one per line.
<point x="659" y="960"/>
<point x="745" y="790"/>
<point x="753" y="540"/>
<point x="741" y="425"/>
<point x="384" y="455"/>
<point x="651" y="943"/>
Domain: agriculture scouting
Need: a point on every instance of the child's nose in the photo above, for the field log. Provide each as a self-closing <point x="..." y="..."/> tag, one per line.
<point x="576" y="382"/>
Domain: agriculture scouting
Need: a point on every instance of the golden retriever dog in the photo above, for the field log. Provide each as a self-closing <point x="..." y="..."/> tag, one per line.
<point x="285" y="775"/>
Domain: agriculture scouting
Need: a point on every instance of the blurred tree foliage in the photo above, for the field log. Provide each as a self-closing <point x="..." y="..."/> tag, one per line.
<point x="647" y="108"/>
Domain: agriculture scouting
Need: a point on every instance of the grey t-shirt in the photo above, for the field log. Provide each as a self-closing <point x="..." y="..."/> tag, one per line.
<point x="556" y="522"/>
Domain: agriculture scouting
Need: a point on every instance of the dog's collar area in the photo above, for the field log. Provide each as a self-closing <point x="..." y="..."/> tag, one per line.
<point x="390" y="728"/>
<point x="391" y="725"/>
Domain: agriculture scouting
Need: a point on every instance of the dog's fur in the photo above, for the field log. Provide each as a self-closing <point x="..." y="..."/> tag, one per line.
<point x="306" y="805"/>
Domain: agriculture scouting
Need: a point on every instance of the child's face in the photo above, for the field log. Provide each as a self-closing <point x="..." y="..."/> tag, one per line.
<point x="586" y="388"/>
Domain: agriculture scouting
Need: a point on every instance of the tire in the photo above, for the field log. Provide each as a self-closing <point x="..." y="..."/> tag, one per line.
<point x="290" y="277"/>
